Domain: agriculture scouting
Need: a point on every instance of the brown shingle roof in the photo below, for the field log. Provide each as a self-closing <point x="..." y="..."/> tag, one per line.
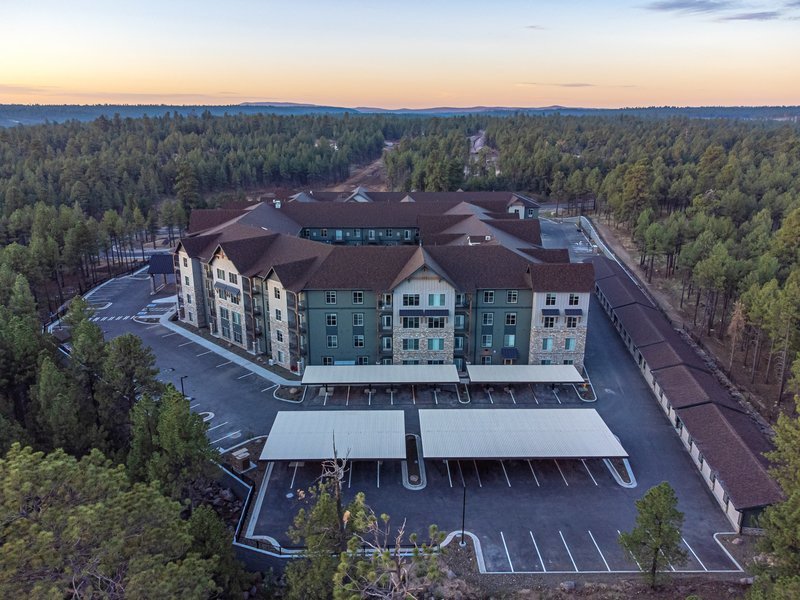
<point x="733" y="445"/>
<point x="482" y="267"/>
<point x="620" y="291"/>
<point x="685" y="387"/>
<point x="201" y="219"/>
<point x="604" y="267"/>
<point x="573" y="277"/>
<point x="548" y="255"/>
<point x="644" y="324"/>
<point x="354" y="214"/>
<point x="361" y="267"/>
<point x="527" y="230"/>
<point x="673" y="351"/>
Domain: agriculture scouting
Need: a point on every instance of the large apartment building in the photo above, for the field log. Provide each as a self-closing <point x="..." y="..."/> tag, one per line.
<point x="324" y="278"/>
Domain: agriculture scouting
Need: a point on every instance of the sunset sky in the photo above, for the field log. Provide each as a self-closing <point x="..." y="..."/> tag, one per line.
<point x="401" y="54"/>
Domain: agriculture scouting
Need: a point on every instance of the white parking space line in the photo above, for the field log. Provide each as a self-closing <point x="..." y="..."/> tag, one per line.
<point x="508" y="481"/>
<point x="246" y="375"/>
<point x="536" y="479"/>
<point x="585" y="466"/>
<point x="568" y="552"/>
<point x="534" y="393"/>
<point x="206" y="352"/>
<point x="562" y="473"/>
<point x="619" y="533"/>
<point x="266" y="389"/>
<point x="449" y="478"/>
<point x="195" y="405"/>
<point x="291" y="484"/>
<point x="184" y="344"/>
<point x="169" y="334"/>
<point x="350" y="477"/>
<point x="694" y="554"/>
<point x="215" y="426"/>
<point x="539" y="554"/>
<point x="477" y="474"/>
<point x="126" y="318"/>
<point x="226" y="436"/>
<point x="463" y="483"/>
<point x="508" y="556"/>
<point x="605" y="562"/>
<point x="379" y="474"/>
<point x="223" y="364"/>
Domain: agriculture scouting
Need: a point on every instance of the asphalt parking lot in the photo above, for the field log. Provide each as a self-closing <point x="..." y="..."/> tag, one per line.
<point x="554" y="517"/>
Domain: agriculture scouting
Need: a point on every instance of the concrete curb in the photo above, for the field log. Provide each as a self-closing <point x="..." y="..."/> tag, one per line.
<point x="164" y="321"/>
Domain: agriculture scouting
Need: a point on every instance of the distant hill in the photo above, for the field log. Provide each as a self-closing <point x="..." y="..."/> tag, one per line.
<point x="21" y="114"/>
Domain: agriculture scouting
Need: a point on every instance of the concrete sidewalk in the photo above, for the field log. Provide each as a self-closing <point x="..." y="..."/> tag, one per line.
<point x="227" y="354"/>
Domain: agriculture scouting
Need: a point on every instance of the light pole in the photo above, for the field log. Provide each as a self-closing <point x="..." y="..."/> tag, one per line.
<point x="182" y="392"/>
<point x="462" y="543"/>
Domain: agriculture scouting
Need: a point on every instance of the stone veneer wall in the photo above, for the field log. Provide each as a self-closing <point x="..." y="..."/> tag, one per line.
<point x="557" y="355"/>
<point x="423" y="334"/>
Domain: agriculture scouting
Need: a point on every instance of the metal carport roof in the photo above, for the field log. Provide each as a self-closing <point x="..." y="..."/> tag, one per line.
<point x="358" y="435"/>
<point x="517" y="433"/>
<point x="379" y="374"/>
<point x="523" y="374"/>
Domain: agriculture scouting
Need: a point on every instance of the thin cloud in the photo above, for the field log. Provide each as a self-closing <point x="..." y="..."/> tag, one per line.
<point x="10" y="88"/>
<point x="766" y="15"/>
<point x="794" y="4"/>
<point x="690" y="6"/>
<point x="536" y="27"/>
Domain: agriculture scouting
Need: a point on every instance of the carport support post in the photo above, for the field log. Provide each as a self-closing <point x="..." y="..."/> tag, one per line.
<point x="182" y="392"/>
<point x="462" y="543"/>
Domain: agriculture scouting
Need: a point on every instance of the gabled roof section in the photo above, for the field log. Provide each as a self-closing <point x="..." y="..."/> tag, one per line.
<point x="201" y="219"/>
<point x="361" y="267"/>
<point x="548" y="255"/>
<point x="482" y="267"/>
<point x="605" y="267"/>
<point x="685" y="387"/>
<point x="644" y="324"/>
<point x="673" y="351"/>
<point x="267" y="217"/>
<point x="572" y="277"/>
<point x="527" y="230"/>
<point x="621" y="291"/>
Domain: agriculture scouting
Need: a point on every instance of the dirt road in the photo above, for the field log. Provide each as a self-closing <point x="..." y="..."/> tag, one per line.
<point x="371" y="176"/>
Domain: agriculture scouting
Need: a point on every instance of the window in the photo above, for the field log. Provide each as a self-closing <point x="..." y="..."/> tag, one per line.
<point x="545" y="361"/>
<point x="386" y="361"/>
<point x="278" y="335"/>
<point x="486" y="341"/>
<point x="331" y="319"/>
<point x="435" y="343"/>
<point x="569" y="344"/>
<point x="407" y="234"/>
<point x="233" y="278"/>
<point x="486" y="360"/>
<point x="531" y="212"/>
<point x="333" y="341"/>
<point x="511" y="318"/>
<point x="186" y="279"/>
<point x="339" y="235"/>
<point x="220" y="274"/>
<point x="362" y="360"/>
<point x="324" y="233"/>
<point x="574" y="299"/>
<point x="358" y="297"/>
<point x="411" y="362"/>
<point x="509" y="340"/>
<point x="458" y="342"/>
<point x="185" y="262"/>
<point x="459" y="321"/>
<point x="459" y="363"/>
<point x="330" y="297"/>
<point x="550" y="299"/>
<point x="461" y="299"/>
<point x="225" y="323"/>
<point x="191" y="317"/>
<point x="233" y="298"/>
<point x="488" y="318"/>
<point x="236" y="318"/>
<point x="410" y="299"/>
<point x="549" y="322"/>
<point x="276" y="292"/>
<point x="410" y="322"/>
<point x="281" y="356"/>
<point x="512" y="296"/>
<point x="572" y="322"/>
<point x="488" y="297"/>
<point x="327" y="361"/>
<point x="358" y="341"/>
<point x="278" y="314"/>
<point x="547" y="344"/>
<point x="386" y="321"/>
<point x="387" y="299"/>
<point x="567" y="361"/>
<point x="436" y="322"/>
<point x="358" y="319"/>
<point x="410" y="344"/>
<point x="386" y="343"/>
<point x="371" y="234"/>
<point x="508" y="361"/>
<point x="188" y="298"/>
<point x="436" y="362"/>
<point x="357" y="233"/>
<point x="435" y="299"/>
<point x="388" y="233"/>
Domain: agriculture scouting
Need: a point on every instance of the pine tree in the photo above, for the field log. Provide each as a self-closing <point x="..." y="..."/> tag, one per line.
<point x="655" y="541"/>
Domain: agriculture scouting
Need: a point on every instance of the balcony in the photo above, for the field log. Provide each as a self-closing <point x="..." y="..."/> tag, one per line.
<point x="257" y="310"/>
